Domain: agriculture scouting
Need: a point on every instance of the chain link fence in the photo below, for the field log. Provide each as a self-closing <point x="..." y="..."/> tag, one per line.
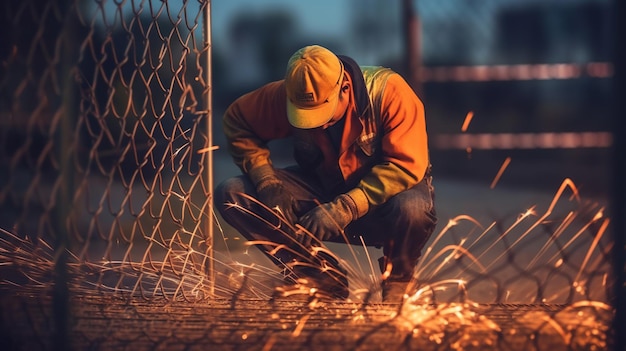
<point x="104" y="113"/>
<point x="106" y="213"/>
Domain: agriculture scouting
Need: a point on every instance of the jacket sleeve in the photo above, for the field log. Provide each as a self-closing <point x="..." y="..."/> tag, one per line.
<point x="404" y="146"/>
<point x="252" y="121"/>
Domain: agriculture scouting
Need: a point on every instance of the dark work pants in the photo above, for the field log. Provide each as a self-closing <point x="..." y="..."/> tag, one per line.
<point x="401" y="226"/>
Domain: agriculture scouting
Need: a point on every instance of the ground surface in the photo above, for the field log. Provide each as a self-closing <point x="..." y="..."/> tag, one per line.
<point x="106" y="322"/>
<point x="110" y="321"/>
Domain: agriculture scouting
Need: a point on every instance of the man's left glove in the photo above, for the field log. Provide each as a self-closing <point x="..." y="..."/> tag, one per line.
<point x="329" y="219"/>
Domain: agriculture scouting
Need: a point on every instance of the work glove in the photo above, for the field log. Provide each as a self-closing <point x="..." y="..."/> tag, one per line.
<point x="273" y="194"/>
<point x="329" y="219"/>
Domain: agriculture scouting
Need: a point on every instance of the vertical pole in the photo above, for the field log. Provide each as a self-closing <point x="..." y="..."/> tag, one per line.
<point x="65" y="147"/>
<point x="209" y="111"/>
<point x="412" y="45"/>
<point x="619" y="173"/>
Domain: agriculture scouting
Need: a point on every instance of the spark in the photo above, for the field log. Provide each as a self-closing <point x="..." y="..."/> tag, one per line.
<point x="208" y="149"/>
<point x="592" y="247"/>
<point x="300" y="325"/>
<point x="505" y="164"/>
<point x="179" y="149"/>
<point x="466" y="122"/>
<point x="369" y="259"/>
<point x="270" y="343"/>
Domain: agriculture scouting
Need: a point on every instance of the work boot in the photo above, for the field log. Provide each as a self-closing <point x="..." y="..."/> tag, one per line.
<point x="316" y="282"/>
<point x="394" y="291"/>
<point x="328" y="284"/>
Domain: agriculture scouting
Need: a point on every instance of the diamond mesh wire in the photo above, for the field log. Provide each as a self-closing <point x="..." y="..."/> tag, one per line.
<point x="103" y="116"/>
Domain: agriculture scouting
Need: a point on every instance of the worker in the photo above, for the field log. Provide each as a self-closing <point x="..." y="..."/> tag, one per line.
<point x="362" y="171"/>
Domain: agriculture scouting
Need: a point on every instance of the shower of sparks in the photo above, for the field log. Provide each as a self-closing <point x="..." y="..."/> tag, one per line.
<point x="465" y="273"/>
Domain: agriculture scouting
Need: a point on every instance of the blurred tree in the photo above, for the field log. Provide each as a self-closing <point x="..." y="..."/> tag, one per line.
<point x="261" y="45"/>
<point x="376" y="31"/>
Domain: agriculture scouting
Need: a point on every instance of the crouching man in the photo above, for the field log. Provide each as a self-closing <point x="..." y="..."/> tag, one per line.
<point x="363" y="169"/>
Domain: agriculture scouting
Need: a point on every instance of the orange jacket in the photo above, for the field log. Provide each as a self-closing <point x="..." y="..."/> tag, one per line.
<point x="384" y="146"/>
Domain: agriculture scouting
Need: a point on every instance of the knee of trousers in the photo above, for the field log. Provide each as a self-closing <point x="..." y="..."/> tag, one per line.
<point x="411" y="211"/>
<point x="229" y="192"/>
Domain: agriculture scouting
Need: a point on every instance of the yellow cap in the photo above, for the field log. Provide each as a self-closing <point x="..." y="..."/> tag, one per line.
<point x="313" y="79"/>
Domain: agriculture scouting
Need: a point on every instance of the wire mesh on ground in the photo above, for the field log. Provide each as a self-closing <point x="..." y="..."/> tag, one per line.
<point x="103" y="115"/>
<point x="106" y="322"/>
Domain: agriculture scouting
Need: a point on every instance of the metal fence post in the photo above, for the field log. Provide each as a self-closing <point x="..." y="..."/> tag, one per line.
<point x="412" y="44"/>
<point x="209" y="112"/>
<point x="65" y="153"/>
